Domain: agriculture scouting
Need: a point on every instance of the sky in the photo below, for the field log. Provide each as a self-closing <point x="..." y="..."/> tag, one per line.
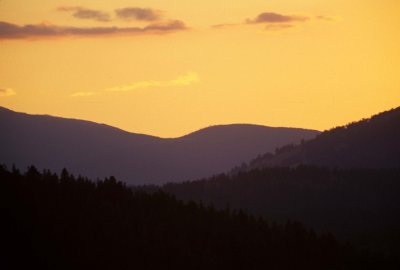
<point x="167" y="68"/>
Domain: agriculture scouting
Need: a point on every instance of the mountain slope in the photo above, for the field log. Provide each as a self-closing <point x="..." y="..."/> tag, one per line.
<point x="98" y="150"/>
<point x="369" y="143"/>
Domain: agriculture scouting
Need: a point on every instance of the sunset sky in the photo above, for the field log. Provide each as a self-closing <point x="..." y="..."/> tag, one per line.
<point x="167" y="68"/>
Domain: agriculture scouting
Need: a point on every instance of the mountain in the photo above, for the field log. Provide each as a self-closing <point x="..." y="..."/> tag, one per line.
<point x="369" y="143"/>
<point x="98" y="150"/>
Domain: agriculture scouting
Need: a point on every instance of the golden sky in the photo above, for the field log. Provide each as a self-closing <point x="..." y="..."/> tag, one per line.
<point x="167" y="68"/>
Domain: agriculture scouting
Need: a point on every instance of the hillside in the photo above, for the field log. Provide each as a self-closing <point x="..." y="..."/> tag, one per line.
<point x="369" y="143"/>
<point x="63" y="222"/>
<point x="98" y="150"/>
<point x="357" y="205"/>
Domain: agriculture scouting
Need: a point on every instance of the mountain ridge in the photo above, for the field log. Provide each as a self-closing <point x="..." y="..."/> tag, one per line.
<point x="99" y="150"/>
<point x="368" y="143"/>
<point x="200" y="130"/>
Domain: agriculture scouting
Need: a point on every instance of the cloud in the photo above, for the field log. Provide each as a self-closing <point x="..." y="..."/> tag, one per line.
<point x="272" y="27"/>
<point x="224" y="25"/>
<point x="7" y="92"/>
<point x="13" y="31"/>
<point x="187" y="79"/>
<point x="271" y="20"/>
<point x="166" y="26"/>
<point x="183" y="80"/>
<point x="272" y="17"/>
<point x="85" y="13"/>
<point x="139" y="14"/>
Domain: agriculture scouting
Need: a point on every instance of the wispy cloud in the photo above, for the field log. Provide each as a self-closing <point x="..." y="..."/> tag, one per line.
<point x="186" y="79"/>
<point x="164" y="27"/>
<point x="272" y="17"/>
<point x="140" y="14"/>
<point x="276" y="27"/>
<point x="225" y="25"/>
<point x="127" y="13"/>
<point x="86" y="13"/>
<point x="183" y="80"/>
<point x="271" y="20"/>
<point x="13" y="31"/>
<point x="7" y="92"/>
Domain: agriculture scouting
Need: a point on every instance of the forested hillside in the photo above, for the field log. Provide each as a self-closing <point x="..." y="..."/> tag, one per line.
<point x="64" y="222"/>
<point x="361" y="205"/>
<point x="368" y="143"/>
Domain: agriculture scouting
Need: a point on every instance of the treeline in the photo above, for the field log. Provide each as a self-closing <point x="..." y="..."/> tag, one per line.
<point x="360" y="205"/>
<point x="67" y="222"/>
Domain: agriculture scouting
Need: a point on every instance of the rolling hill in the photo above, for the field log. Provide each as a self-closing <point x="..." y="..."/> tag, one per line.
<point x="98" y="150"/>
<point x="369" y="143"/>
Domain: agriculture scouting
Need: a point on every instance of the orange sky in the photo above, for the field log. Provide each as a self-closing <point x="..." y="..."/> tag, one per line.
<point x="167" y="68"/>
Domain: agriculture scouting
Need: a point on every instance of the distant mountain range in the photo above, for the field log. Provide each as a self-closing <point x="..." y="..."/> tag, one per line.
<point x="369" y="143"/>
<point x="97" y="150"/>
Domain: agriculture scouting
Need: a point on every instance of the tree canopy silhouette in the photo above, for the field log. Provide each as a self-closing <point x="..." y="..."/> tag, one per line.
<point x="68" y="222"/>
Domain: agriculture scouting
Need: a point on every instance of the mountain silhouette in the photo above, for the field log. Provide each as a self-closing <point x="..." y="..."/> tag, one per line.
<point x="98" y="150"/>
<point x="368" y="143"/>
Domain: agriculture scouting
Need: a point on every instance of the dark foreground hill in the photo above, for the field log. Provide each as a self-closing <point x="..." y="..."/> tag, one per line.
<point x="369" y="143"/>
<point x="97" y="150"/>
<point x="51" y="222"/>
<point x="359" y="205"/>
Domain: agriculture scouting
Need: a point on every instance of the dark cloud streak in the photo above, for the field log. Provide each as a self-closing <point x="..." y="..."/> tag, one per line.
<point x="85" y="13"/>
<point x="224" y="25"/>
<point x="165" y="27"/>
<point x="273" y="27"/>
<point x="92" y="14"/>
<point x="271" y="17"/>
<point x="13" y="31"/>
<point x="271" y="20"/>
<point x="139" y="14"/>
